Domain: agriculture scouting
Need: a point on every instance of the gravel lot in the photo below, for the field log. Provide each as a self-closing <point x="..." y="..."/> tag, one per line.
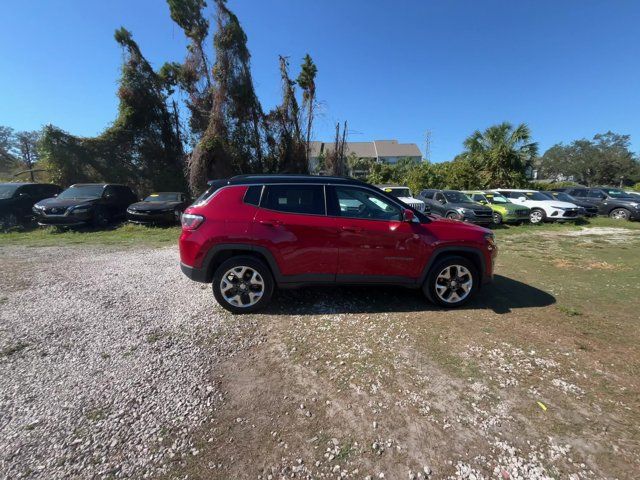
<point x="114" y="365"/>
<point x="105" y="361"/>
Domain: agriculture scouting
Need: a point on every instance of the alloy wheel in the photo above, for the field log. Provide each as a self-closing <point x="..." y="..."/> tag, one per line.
<point x="242" y="286"/>
<point x="454" y="283"/>
<point x="619" y="214"/>
<point x="536" y="216"/>
<point x="497" y="218"/>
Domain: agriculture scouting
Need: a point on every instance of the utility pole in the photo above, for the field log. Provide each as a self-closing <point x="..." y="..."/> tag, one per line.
<point x="427" y="145"/>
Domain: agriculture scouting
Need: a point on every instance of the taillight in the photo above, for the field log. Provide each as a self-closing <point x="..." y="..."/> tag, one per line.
<point x="191" y="221"/>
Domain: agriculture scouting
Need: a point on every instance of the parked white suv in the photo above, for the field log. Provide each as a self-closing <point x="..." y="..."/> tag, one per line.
<point x="403" y="194"/>
<point x="543" y="208"/>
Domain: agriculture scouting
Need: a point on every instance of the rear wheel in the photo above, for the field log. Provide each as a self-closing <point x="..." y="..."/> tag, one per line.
<point x="537" y="216"/>
<point x="451" y="282"/>
<point x="243" y="284"/>
<point x="620" y="214"/>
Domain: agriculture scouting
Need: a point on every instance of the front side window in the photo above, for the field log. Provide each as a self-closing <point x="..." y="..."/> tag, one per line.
<point x="302" y="199"/>
<point x="616" y="193"/>
<point x="440" y="198"/>
<point x="361" y="203"/>
<point x="479" y="198"/>
<point x="7" y="190"/>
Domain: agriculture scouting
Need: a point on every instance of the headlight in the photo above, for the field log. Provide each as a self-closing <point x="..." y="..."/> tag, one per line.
<point x="462" y="210"/>
<point x="634" y="204"/>
<point x="130" y="211"/>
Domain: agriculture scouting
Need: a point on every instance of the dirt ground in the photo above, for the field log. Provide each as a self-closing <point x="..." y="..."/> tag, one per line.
<point x="537" y="378"/>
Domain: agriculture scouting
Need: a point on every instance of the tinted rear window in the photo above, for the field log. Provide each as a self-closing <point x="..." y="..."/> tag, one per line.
<point x="305" y="199"/>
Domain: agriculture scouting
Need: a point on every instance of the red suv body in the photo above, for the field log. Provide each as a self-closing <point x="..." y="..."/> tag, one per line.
<point x="249" y="234"/>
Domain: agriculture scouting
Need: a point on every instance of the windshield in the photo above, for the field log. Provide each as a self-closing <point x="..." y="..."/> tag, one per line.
<point x="83" y="191"/>
<point x="456" y="197"/>
<point x="535" y="196"/>
<point x="163" y="197"/>
<point x="616" y="193"/>
<point x="563" y="197"/>
<point x="496" y="198"/>
<point x="7" y="190"/>
<point x="398" y="192"/>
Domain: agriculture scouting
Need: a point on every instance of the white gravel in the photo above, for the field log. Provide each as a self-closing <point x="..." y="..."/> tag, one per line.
<point x="106" y="361"/>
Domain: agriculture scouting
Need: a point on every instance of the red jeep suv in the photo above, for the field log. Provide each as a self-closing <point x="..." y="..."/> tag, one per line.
<point x="251" y="233"/>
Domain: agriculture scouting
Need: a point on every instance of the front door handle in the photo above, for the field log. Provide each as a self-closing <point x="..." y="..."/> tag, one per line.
<point x="351" y="229"/>
<point x="272" y="223"/>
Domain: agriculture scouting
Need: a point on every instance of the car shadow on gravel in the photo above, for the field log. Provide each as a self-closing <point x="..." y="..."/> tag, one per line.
<point x="502" y="296"/>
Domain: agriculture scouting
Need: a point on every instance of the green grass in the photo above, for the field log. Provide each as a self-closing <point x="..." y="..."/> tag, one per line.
<point x="528" y="228"/>
<point x="123" y="235"/>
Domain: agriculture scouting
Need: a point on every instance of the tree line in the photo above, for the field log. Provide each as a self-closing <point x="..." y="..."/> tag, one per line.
<point x="154" y="145"/>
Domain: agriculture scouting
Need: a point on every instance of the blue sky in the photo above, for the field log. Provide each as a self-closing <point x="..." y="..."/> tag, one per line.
<point x="393" y="69"/>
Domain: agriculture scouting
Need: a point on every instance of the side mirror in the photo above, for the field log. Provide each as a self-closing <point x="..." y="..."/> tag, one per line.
<point x="408" y="216"/>
<point x="441" y="201"/>
<point x="522" y="198"/>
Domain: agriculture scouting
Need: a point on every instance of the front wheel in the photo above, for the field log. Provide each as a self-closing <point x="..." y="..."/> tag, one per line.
<point x="537" y="216"/>
<point x="497" y="218"/>
<point x="100" y="218"/>
<point x="620" y="214"/>
<point x="243" y="284"/>
<point x="451" y="282"/>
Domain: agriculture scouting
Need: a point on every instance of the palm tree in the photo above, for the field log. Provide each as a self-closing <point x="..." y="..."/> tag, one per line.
<point x="501" y="154"/>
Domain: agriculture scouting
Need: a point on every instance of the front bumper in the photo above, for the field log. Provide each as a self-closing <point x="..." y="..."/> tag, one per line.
<point x="152" y="218"/>
<point x="478" y="220"/>
<point x="566" y="215"/>
<point x="193" y="273"/>
<point x="64" y="220"/>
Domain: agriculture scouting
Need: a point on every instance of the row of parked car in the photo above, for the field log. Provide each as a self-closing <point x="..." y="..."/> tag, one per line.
<point x="515" y="206"/>
<point x="98" y="204"/>
<point x="92" y="204"/>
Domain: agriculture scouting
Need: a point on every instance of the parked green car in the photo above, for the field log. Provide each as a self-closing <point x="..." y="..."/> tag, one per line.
<point x="503" y="210"/>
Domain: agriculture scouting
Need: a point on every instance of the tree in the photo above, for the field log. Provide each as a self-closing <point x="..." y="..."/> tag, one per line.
<point x="500" y="154"/>
<point x="194" y="75"/>
<point x="604" y="160"/>
<point x="141" y="148"/>
<point x="8" y="150"/>
<point x="335" y="161"/>
<point x="232" y="141"/>
<point x="18" y="150"/>
<point x="307" y="82"/>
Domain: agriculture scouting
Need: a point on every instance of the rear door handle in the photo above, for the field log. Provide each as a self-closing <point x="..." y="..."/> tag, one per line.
<point x="273" y="223"/>
<point x="351" y="229"/>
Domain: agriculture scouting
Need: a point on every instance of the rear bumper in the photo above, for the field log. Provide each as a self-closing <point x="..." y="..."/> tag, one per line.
<point x="193" y="273"/>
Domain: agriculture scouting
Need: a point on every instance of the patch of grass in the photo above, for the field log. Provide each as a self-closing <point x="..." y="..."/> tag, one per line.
<point x="155" y="336"/>
<point x="96" y="414"/>
<point x="13" y="349"/>
<point x="569" y="311"/>
<point x="121" y="235"/>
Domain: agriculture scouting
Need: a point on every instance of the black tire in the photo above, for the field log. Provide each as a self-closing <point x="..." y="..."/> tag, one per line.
<point x="537" y="215"/>
<point x="429" y="286"/>
<point x="243" y="293"/>
<point x="620" y="214"/>
<point x="453" y="216"/>
<point x="100" y="218"/>
<point x="497" y="218"/>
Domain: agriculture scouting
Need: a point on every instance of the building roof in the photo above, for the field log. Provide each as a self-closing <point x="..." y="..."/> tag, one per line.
<point x="375" y="149"/>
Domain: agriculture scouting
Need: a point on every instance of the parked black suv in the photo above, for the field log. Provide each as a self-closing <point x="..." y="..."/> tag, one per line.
<point x="95" y="204"/>
<point x="456" y="205"/>
<point x="590" y="208"/>
<point x="610" y="201"/>
<point x="17" y="200"/>
<point x="159" y="208"/>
